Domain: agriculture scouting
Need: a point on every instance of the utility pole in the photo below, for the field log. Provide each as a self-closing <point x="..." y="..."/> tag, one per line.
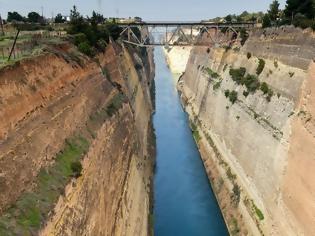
<point x="13" y="46"/>
<point x="1" y="25"/>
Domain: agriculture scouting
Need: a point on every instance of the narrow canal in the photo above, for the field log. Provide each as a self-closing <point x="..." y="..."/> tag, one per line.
<point x="184" y="201"/>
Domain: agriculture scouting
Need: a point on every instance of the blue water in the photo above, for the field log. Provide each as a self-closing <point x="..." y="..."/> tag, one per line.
<point x="184" y="201"/>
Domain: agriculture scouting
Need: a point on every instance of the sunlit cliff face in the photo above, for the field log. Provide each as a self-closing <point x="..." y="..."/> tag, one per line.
<point x="252" y="155"/>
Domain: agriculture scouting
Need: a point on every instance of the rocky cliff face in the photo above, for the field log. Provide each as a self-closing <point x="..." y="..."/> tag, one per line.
<point x="253" y="108"/>
<point x="61" y="108"/>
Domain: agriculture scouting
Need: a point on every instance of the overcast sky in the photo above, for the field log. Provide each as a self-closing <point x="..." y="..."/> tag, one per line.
<point x="147" y="9"/>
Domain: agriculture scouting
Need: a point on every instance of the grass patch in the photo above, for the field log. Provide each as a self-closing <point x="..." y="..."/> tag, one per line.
<point x="235" y="230"/>
<point x="258" y="212"/>
<point x="32" y="208"/>
<point x="195" y="131"/>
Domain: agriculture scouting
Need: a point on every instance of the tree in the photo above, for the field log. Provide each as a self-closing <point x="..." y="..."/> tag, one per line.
<point x="75" y="16"/>
<point x="304" y="7"/>
<point x="274" y="10"/>
<point x="77" y="23"/>
<point x="59" y="18"/>
<point x="228" y="18"/>
<point x="266" y="21"/>
<point x="34" y="17"/>
<point x="96" y="18"/>
<point x="14" y="16"/>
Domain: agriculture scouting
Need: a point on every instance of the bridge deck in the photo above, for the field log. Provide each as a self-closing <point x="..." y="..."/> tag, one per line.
<point x="187" y="23"/>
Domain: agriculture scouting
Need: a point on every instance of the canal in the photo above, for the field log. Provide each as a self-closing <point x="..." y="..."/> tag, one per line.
<point x="184" y="201"/>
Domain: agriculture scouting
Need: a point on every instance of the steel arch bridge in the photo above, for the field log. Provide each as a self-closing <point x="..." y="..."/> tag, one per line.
<point x="189" y="33"/>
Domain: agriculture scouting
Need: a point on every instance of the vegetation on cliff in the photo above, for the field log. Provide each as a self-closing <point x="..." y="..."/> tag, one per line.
<point x="32" y="208"/>
<point x="89" y="35"/>
<point x="251" y="82"/>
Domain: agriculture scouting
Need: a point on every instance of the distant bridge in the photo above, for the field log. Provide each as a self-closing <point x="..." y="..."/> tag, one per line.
<point x="180" y="33"/>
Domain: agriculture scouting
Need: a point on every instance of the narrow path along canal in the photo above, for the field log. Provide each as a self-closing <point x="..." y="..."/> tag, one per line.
<point x="184" y="201"/>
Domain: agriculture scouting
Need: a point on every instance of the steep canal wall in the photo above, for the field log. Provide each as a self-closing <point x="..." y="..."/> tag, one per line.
<point x="62" y="108"/>
<point x="252" y="112"/>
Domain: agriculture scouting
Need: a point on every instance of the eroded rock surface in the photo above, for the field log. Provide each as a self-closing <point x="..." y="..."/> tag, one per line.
<point x="48" y="100"/>
<point x="259" y="151"/>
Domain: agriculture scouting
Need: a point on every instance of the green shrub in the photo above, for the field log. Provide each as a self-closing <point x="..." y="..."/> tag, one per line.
<point x="291" y="74"/>
<point x="275" y="63"/>
<point x="217" y="85"/>
<point x="212" y="73"/>
<point x="249" y="55"/>
<point x="115" y="104"/>
<point x="86" y="48"/>
<point x="236" y="49"/>
<point x="236" y="195"/>
<point x="79" y="38"/>
<point x="261" y="66"/>
<point x="233" y="97"/>
<point x="245" y="93"/>
<point x="251" y="82"/>
<point x="225" y="67"/>
<point x="89" y="30"/>
<point x="269" y="96"/>
<point x="76" y="168"/>
<point x="235" y="230"/>
<point x="303" y="22"/>
<point x="264" y="87"/>
<point x="227" y="48"/>
<point x="258" y="212"/>
<point x="229" y="174"/>
<point x="101" y="44"/>
<point x="195" y="131"/>
<point x="138" y="66"/>
<point x="227" y="93"/>
<point x="237" y="74"/>
<point x="266" y="21"/>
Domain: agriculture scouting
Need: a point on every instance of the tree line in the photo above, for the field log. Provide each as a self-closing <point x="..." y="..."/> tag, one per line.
<point x="32" y="17"/>
<point x="300" y="13"/>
